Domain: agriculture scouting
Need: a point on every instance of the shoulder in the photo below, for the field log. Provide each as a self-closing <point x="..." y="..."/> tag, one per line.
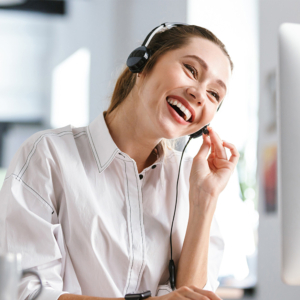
<point x="43" y="145"/>
<point x="36" y="168"/>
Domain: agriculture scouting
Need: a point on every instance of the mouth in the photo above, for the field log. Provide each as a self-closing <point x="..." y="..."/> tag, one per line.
<point x="185" y="113"/>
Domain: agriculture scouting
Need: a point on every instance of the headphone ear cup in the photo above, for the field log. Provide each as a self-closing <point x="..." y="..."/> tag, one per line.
<point x="138" y="59"/>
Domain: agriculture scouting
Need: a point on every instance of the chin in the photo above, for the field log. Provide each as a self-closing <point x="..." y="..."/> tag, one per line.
<point x="169" y="130"/>
<point x="171" y="134"/>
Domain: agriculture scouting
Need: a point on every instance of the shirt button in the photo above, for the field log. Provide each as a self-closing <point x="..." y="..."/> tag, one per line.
<point x="154" y="166"/>
<point x="141" y="176"/>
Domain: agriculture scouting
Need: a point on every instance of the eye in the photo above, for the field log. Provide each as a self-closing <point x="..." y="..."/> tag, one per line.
<point x="192" y="70"/>
<point x="215" y="95"/>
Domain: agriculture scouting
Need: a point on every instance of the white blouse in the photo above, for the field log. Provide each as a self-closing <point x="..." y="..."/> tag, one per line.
<point x="81" y="215"/>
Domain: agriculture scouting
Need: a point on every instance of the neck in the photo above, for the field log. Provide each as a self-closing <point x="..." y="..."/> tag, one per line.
<point x="131" y="134"/>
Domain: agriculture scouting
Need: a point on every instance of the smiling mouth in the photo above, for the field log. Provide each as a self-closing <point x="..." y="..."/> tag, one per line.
<point x="180" y="112"/>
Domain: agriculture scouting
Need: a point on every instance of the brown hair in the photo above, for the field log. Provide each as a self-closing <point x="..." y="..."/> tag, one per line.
<point x="162" y="42"/>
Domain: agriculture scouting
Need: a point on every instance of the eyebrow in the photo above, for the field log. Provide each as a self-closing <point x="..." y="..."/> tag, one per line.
<point x="205" y="67"/>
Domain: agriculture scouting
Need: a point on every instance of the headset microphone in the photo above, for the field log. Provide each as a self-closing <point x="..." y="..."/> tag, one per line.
<point x="200" y="132"/>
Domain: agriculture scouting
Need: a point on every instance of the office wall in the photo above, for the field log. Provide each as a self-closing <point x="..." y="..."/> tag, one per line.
<point x="110" y="30"/>
<point x="22" y="87"/>
<point x="25" y="46"/>
<point x="272" y="14"/>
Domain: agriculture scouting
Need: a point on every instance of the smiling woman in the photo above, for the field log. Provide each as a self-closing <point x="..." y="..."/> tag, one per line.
<point x="188" y="64"/>
<point x="91" y="208"/>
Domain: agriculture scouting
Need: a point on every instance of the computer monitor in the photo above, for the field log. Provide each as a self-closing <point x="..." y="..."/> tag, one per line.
<point x="288" y="121"/>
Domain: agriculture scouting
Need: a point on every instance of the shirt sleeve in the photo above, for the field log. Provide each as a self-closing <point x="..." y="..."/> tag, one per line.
<point x="28" y="225"/>
<point x="215" y="255"/>
<point x="164" y="289"/>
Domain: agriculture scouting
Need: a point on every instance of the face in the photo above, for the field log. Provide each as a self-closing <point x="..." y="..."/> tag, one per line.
<point x="194" y="78"/>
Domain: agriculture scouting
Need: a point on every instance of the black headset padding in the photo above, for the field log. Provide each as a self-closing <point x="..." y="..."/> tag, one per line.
<point x="139" y="56"/>
<point x="137" y="59"/>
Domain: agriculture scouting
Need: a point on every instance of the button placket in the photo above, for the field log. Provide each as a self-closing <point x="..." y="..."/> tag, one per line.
<point x="137" y="231"/>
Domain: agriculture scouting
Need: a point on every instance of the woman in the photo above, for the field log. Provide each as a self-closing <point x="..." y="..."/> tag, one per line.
<point x="91" y="208"/>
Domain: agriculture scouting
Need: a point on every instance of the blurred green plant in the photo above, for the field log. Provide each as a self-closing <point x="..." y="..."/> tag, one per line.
<point x="247" y="179"/>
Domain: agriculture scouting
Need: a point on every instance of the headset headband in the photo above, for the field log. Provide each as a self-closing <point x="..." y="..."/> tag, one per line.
<point x="157" y="29"/>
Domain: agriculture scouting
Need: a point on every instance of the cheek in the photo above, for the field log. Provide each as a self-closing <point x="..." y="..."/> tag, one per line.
<point x="167" y="79"/>
<point x="212" y="114"/>
<point x="209" y="113"/>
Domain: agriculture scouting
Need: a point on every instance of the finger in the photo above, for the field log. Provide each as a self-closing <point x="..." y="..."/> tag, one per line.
<point x="209" y="294"/>
<point x="234" y="153"/>
<point x="211" y="165"/>
<point x="213" y="151"/>
<point x="211" y="158"/>
<point x="218" y="143"/>
<point x="204" y="149"/>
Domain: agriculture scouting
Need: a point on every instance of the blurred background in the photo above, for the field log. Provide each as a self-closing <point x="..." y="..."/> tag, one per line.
<point x="58" y="64"/>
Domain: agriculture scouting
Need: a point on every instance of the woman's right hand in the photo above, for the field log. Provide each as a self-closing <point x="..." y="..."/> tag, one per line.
<point x="191" y="293"/>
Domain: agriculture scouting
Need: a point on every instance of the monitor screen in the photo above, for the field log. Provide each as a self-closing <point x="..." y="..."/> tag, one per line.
<point x="288" y="120"/>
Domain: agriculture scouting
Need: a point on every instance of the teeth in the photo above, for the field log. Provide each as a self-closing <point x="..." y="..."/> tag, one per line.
<point x="181" y="107"/>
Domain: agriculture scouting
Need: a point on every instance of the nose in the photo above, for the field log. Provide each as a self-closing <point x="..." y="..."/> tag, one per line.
<point x="196" y="95"/>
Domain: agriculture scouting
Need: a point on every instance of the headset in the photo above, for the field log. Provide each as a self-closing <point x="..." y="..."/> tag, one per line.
<point x="136" y="62"/>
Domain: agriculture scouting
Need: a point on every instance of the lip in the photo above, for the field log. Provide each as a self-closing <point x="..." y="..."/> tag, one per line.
<point x="175" y="115"/>
<point x="186" y="104"/>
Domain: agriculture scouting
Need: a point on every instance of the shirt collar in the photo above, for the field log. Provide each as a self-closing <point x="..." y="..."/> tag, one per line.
<point x="103" y="146"/>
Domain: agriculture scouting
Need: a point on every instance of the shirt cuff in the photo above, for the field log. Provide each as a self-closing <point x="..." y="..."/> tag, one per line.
<point x="48" y="294"/>
<point x="163" y="290"/>
<point x="208" y="286"/>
